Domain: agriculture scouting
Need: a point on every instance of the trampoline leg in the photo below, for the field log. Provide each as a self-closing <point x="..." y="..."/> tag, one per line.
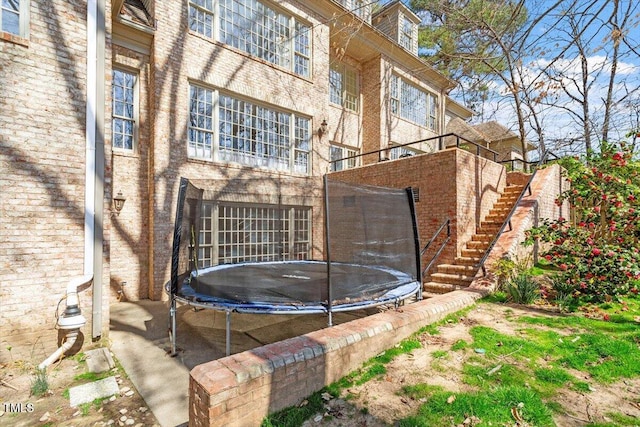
<point x="172" y="316"/>
<point x="228" y="346"/>
<point x="330" y="318"/>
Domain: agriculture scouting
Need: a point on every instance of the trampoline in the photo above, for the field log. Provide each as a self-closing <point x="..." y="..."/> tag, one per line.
<point x="371" y="258"/>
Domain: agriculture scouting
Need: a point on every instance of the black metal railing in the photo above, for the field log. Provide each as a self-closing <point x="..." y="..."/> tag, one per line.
<point x="507" y="222"/>
<point x="460" y="142"/>
<point x="526" y="166"/>
<point x="447" y="224"/>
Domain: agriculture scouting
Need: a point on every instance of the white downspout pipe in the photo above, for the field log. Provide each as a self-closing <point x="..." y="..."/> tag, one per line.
<point x="94" y="157"/>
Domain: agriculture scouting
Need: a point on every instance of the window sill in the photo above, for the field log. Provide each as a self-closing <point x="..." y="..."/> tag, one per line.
<point x="12" y="38"/>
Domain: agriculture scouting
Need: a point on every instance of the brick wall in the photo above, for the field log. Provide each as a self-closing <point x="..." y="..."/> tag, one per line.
<point x="182" y="57"/>
<point x="129" y="236"/>
<point x="42" y="164"/>
<point x="453" y="184"/>
<point x="240" y="390"/>
<point x="545" y="187"/>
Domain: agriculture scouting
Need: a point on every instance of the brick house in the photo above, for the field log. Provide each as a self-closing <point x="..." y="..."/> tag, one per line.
<point x="117" y="99"/>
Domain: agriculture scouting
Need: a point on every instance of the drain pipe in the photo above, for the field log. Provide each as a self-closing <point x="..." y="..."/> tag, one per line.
<point x="94" y="157"/>
<point x="71" y="320"/>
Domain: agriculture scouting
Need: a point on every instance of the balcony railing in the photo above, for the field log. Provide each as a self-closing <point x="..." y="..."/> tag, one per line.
<point x="444" y="141"/>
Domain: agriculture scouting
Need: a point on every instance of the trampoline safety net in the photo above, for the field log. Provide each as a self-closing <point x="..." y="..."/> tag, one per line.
<point x="371" y="249"/>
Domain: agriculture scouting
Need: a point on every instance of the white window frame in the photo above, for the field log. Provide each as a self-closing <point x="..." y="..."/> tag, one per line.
<point x="285" y="231"/>
<point x="344" y="87"/>
<point x="258" y="135"/>
<point x="405" y="38"/>
<point x="276" y="36"/>
<point x="400" y="152"/>
<point x="337" y="152"/>
<point x="413" y="103"/>
<point x="133" y="119"/>
<point x="360" y="8"/>
<point x="23" y="19"/>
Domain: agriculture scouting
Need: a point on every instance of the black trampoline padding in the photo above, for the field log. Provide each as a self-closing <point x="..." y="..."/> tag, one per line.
<point x="299" y="286"/>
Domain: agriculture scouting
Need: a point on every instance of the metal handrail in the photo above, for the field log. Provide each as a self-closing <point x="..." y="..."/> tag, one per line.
<point x="446" y="223"/>
<point x="440" y="139"/>
<point x="507" y="221"/>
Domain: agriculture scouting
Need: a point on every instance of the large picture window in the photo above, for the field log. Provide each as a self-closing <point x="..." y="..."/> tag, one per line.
<point x="343" y="87"/>
<point x="124" y="109"/>
<point x="412" y="103"/>
<point x="249" y="133"/>
<point x="256" y="28"/>
<point x="233" y="233"/>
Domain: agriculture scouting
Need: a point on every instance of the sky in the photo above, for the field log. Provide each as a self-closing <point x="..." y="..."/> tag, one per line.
<point x="559" y="121"/>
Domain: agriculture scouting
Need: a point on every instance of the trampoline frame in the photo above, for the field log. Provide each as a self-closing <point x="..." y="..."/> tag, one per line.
<point x="394" y="296"/>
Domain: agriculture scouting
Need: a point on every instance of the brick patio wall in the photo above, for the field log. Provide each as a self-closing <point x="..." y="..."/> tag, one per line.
<point x="240" y="390"/>
<point x="453" y="184"/>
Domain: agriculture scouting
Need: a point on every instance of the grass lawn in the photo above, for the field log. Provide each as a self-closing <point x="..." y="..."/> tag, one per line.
<point x="523" y="366"/>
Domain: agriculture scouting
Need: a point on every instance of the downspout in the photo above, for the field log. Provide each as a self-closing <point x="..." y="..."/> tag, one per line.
<point x="94" y="173"/>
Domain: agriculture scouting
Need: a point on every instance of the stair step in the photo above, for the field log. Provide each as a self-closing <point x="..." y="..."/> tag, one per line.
<point x="440" y="288"/>
<point x="472" y="253"/>
<point x="496" y="217"/>
<point x="482" y="238"/>
<point x="459" y="269"/>
<point x="453" y="279"/>
<point x="477" y="245"/>
<point x="490" y="227"/>
<point x="472" y="260"/>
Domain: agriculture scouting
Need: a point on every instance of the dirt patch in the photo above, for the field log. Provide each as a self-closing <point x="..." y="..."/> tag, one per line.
<point x="379" y="402"/>
<point x="18" y="407"/>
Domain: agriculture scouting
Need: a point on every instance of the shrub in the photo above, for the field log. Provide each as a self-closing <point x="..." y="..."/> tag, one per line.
<point x="596" y="249"/>
<point x="523" y="289"/>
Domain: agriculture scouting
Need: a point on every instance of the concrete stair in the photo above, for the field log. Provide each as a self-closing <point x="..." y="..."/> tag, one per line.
<point x="460" y="274"/>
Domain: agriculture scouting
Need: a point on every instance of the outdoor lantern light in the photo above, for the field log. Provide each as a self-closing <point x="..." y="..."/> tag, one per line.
<point x="118" y="202"/>
<point x="323" y="128"/>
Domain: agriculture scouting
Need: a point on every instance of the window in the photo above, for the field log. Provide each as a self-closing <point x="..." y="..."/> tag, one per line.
<point x="232" y="233"/>
<point x="360" y="8"/>
<point x="248" y="133"/>
<point x="400" y="152"/>
<point x="343" y="87"/>
<point x="338" y="153"/>
<point x="413" y="104"/>
<point x="406" y="34"/>
<point x="14" y="17"/>
<point x="124" y="109"/>
<point x="255" y="28"/>
<point x="201" y="17"/>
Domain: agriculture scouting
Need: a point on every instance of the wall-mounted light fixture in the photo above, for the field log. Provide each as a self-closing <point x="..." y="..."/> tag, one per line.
<point x="324" y="128"/>
<point x="118" y="202"/>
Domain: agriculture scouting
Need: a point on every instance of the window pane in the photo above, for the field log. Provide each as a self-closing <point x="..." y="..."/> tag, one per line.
<point x="265" y="33"/>
<point x="253" y="233"/>
<point x="200" y="122"/>
<point x="260" y="136"/>
<point x="123" y="94"/>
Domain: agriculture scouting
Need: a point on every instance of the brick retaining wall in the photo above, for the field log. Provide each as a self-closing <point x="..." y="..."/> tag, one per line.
<point x="240" y="390"/>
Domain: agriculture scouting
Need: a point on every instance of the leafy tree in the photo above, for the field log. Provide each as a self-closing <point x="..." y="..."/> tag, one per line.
<point x="596" y="249"/>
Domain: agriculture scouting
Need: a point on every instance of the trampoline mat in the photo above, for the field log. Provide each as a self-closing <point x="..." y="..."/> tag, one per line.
<point x="291" y="283"/>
